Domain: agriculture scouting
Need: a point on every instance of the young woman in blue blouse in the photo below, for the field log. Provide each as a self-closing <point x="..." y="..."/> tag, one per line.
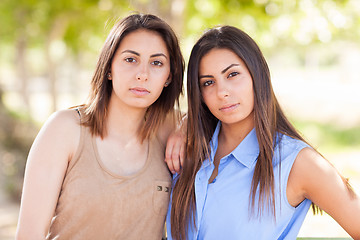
<point x="247" y="173"/>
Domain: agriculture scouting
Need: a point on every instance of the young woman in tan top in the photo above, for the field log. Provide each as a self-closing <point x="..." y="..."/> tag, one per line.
<point x="98" y="171"/>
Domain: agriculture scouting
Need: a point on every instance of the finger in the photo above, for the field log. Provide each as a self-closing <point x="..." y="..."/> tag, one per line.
<point x="170" y="165"/>
<point x="176" y="164"/>
<point x="176" y="153"/>
<point x="169" y="149"/>
<point x="168" y="153"/>
<point x="182" y="154"/>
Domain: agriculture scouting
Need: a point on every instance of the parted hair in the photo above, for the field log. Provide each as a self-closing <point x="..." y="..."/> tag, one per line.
<point x="96" y="108"/>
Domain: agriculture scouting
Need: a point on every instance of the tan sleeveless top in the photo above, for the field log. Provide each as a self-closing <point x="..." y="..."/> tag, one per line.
<point x="95" y="203"/>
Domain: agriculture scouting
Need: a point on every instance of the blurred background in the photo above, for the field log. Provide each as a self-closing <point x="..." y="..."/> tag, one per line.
<point x="49" y="49"/>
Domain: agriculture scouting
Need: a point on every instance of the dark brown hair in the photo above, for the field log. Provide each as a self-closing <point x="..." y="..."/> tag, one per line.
<point x="269" y="120"/>
<point x="101" y="88"/>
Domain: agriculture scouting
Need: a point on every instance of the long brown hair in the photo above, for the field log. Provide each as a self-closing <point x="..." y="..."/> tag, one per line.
<point x="268" y="116"/>
<point x="101" y="88"/>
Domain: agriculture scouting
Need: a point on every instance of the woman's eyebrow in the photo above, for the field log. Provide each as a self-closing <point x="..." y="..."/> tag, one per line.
<point x="222" y="72"/>
<point x="206" y="76"/>
<point x="230" y="66"/>
<point x="158" y="55"/>
<point x="138" y="54"/>
<point x="131" y="51"/>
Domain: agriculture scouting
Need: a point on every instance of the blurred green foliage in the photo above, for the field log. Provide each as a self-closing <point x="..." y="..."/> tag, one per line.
<point x="329" y="137"/>
<point x="272" y="22"/>
<point x="16" y="135"/>
<point x="39" y="38"/>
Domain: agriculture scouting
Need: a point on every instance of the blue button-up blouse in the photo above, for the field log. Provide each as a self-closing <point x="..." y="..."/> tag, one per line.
<point x="223" y="206"/>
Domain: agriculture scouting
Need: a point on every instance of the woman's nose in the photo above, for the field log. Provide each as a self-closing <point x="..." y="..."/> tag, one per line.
<point x="222" y="89"/>
<point x="142" y="74"/>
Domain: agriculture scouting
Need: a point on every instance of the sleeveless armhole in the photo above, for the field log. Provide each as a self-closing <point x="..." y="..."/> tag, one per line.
<point x="300" y="146"/>
<point x="80" y="147"/>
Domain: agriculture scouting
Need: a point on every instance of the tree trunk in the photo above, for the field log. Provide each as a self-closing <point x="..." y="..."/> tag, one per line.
<point x="22" y="71"/>
<point x="57" y="31"/>
<point x="176" y="17"/>
<point x="51" y="75"/>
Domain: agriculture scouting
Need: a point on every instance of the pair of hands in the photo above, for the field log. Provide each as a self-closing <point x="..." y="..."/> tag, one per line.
<point x="175" y="151"/>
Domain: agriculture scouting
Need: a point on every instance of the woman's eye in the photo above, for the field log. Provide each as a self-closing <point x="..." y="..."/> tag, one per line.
<point x="233" y="74"/>
<point x="208" y="83"/>
<point x="130" y="59"/>
<point x="157" y="63"/>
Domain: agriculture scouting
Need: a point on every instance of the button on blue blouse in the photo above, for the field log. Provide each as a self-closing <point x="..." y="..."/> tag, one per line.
<point x="223" y="206"/>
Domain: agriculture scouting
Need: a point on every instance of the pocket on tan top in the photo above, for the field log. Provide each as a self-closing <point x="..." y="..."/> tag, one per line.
<point x="161" y="197"/>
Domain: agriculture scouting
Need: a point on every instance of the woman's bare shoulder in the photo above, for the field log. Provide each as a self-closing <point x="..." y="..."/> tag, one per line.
<point x="66" y="117"/>
<point x="61" y="129"/>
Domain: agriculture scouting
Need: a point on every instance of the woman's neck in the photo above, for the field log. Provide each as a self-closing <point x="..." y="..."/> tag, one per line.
<point x="233" y="134"/>
<point x="123" y="121"/>
<point x="230" y="136"/>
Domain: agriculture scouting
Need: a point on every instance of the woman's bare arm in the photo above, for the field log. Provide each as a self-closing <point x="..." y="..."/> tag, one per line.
<point x="45" y="169"/>
<point x="315" y="178"/>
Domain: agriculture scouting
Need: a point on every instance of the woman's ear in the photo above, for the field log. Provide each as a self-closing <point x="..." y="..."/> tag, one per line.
<point x="109" y="76"/>
<point x="168" y="81"/>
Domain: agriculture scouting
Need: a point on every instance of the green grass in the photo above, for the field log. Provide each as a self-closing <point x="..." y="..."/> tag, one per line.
<point x="323" y="238"/>
<point x="329" y="137"/>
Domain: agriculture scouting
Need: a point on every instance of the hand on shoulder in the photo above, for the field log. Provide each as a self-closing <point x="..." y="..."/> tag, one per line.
<point x="175" y="139"/>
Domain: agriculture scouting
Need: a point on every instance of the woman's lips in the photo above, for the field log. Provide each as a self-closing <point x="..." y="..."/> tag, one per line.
<point x="139" y="91"/>
<point x="229" y="107"/>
